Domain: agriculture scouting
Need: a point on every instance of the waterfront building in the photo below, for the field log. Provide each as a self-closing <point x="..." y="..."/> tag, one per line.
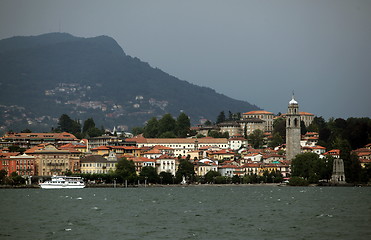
<point x="166" y="163"/>
<point x="141" y="162"/>
<point x="96" y="164"/>
<point x="53" y="161"/>
<point x="25" y="164"/>
<point x="230" y="170"/>
<point x="251" y="168"/>
<point x="202" y="167"/>
<point x="6" y="164"/>
<point x="293" y="130"/>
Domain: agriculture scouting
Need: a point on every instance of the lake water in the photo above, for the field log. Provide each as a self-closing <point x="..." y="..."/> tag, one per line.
<point x="194" y="212"/>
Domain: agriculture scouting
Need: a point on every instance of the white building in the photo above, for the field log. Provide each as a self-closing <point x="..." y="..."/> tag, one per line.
<point x="167" y="164"/>
<point x="181" y="146"/>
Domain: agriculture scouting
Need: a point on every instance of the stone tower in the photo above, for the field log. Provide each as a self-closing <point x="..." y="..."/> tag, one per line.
<point x="338" y="175"/>
<point x="292" y="130"/>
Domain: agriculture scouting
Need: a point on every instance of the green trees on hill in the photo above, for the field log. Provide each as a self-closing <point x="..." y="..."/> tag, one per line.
<point x="66" y="124"/>
<point x="354" y="132"/>
<point x="168" y="127"/>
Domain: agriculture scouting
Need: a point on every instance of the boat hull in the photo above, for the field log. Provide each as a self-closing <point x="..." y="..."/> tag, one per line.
<point x="60" y="186"/>
<point x="63" y="182"/>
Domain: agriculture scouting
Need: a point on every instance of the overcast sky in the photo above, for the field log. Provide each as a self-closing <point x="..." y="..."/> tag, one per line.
<point x="258" y="51"/>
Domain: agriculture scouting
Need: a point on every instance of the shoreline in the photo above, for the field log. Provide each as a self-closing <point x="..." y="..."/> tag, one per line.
<point x="35" y="186"/>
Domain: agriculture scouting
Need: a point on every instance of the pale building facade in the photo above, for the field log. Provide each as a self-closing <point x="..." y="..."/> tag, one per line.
<point x="267" y="117"/>
<point x="167" y="164"/>
<point x="95" y="164"/>
<point x="307" y="118"/>
<point x="181" y="146"/>
<point x="53" y="161"/>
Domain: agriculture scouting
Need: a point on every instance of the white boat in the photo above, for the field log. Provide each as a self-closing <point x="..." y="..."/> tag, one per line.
<point x="60" y="182"/>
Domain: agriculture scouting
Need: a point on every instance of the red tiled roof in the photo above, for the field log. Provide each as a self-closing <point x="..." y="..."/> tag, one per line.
<point x="229" y="166"/>
<point x="63" y="135"/>
<point x="251" y="165"/>
<point x="333" y="152"/>
<point x="160" y="147"/>
<point x="306" y="113"/>
<point x="143" y="159"/>
<point x="72" y="145"/>
<point x="101" y="148"/>
<point x="311" y="133"/>
<point x="165" y="156"/>
<point x="257" y="112"/>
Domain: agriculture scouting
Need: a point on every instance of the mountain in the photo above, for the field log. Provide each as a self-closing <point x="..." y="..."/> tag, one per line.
<point x="42" y="77"/>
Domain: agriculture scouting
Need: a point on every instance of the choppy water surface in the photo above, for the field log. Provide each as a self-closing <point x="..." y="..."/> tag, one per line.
<point x="202" y="212"/>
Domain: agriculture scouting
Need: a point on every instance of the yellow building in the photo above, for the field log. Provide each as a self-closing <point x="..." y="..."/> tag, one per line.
<point x="94" y="164"/>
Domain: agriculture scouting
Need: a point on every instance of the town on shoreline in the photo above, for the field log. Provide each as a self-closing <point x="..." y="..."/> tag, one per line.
<point x="247" y="149"/>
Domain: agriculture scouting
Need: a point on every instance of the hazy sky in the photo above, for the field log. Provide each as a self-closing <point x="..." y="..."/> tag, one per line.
<point x="258" y="51"/>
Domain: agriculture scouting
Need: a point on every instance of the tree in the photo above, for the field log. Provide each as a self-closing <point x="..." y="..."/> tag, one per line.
<point x="308" y="166"/>
<point x="358" y="132"/>
<point x="166" y="124"/>
<point x="279" y="127"/>
<point x="149" y="173"/>
<point x="221" y="117"/>
<point x="236" y="179"/>
<point x="125" y="169"/>
<point x="16" y="179"/>
<point x="276" y="140"/>
<point x="352" y="169"/>
<point x="230" y="116"/>
<point x="298" y="181"/>
<point x="210" y="175"/>
<point x="256" y="139"/>
<point x="151" y="129"/>
<point x="66" y="124"/>
<point x="137" y="130"/>
<point x="185" y="169"/>
<point x="167" y="178"/>
<point x="183" y="125"/>
<point x="217" y="134"/>
<point x="89" y="128"/>
<point x="15" y="148"/>
<point x="3" y="174"/>
<point x="208" y="123"/>
<point x="88" y="124"/>
<point x="303" y="128"/>
<point x="168" y="134"/>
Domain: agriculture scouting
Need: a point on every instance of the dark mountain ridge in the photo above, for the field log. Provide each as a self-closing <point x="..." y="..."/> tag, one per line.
<point x="47" y="75"/>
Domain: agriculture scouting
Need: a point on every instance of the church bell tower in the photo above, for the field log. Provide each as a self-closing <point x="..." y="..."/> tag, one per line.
<point x="293" y="134"/>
